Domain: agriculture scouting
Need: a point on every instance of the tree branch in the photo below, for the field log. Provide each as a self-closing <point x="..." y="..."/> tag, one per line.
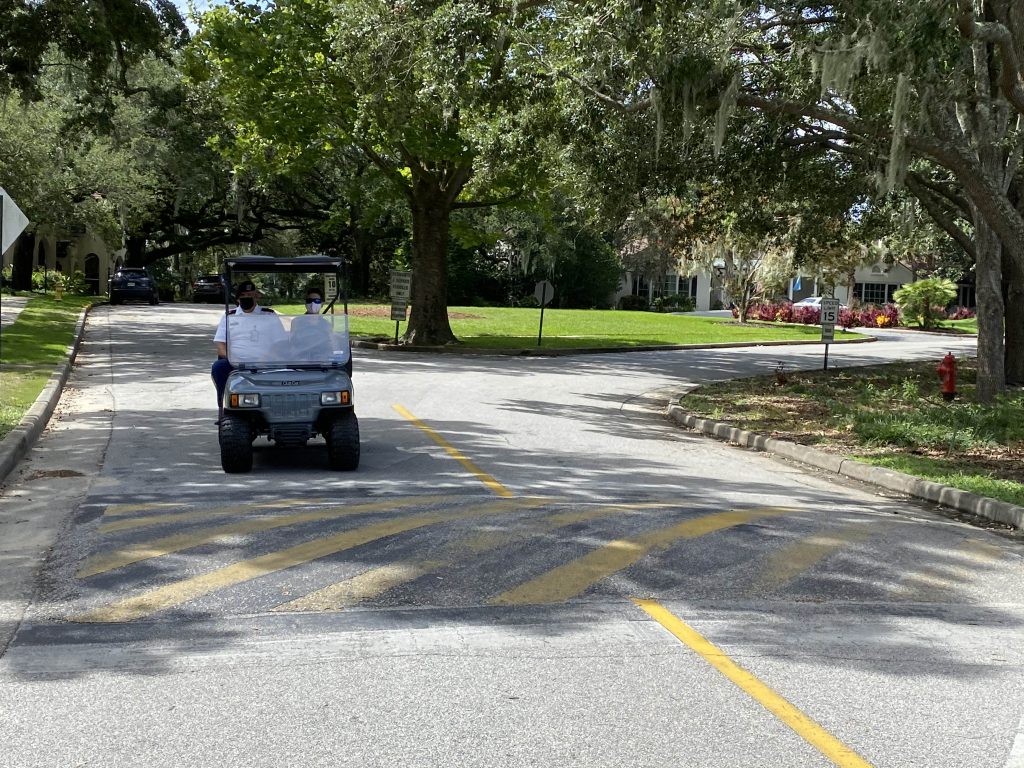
<point x="929" y="201"/>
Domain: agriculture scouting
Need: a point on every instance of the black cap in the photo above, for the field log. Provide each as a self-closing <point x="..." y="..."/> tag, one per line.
<point x="247" y="285"/>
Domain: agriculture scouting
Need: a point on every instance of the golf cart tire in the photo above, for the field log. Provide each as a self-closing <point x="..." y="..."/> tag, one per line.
<point x="235" y="445"/>
<point x="343" y="443"/>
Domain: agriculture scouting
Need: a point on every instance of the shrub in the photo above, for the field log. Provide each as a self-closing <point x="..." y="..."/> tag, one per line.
<point x="807" y="315"/>
<point x="634" y="302"/>
<point x="918" y="300"/>
<point x="961" y="313"/>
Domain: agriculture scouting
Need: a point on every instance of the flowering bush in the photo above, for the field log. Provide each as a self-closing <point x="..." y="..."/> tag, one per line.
<point x="886" y="316"/>
<point x="962" y="313"/>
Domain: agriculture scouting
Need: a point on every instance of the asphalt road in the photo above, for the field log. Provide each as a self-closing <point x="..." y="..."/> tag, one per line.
<point x="531" y="567"/>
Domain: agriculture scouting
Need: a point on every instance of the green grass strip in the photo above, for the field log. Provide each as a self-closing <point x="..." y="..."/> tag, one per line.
<point x="31" y="348"/>
<point x="950" y="472"/>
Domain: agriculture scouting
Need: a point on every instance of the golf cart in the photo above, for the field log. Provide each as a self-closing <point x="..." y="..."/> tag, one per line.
<point x="292" y="373"/>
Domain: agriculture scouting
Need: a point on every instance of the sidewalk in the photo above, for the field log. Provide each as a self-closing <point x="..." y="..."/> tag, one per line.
<point x="10" y="308"/>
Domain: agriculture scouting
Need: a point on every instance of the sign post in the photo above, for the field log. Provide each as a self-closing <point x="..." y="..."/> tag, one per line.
<point x="544" y="293"/>
<point x="829" y="318"/>
<point x="401" y="289"/>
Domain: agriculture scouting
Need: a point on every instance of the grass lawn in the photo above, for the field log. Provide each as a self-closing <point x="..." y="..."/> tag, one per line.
<point x="891" y="416"/>
<point x="513" y="328"/>
<point x="31" y="349"/>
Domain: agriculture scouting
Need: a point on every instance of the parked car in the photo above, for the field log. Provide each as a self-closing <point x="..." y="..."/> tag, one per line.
<point x="133" y="284"/>
<point x="813" y="302"/>
<point x="210" y="288"/>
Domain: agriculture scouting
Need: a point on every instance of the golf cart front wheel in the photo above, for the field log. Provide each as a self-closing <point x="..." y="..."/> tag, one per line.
<point x="343" y="443"/>
<point x="235" y="444"/>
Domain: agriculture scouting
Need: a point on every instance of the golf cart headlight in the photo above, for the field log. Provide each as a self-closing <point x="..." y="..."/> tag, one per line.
<point x="245" y="400"/>
<point x="334" y="398"/>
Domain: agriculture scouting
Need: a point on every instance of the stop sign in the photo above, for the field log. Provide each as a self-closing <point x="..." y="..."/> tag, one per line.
<point x="544" y="293"/>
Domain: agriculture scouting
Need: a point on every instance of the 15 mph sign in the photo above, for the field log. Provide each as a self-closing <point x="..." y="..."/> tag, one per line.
<point x="829" y="318"/>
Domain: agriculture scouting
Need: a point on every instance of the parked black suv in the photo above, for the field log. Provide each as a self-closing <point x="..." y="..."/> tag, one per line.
<point x="133" y="284"/>
<point x="210" y="288"/>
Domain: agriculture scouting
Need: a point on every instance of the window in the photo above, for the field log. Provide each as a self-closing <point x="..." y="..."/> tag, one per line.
<point x="639" y="285"/>
<point x="875" y="293"/>
<point x="671" y="285"/>
<point x="966" y="296"/>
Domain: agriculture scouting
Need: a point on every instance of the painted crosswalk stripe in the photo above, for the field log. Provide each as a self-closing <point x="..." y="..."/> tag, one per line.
<point x="571" y="579"/>
<point x="131" y="523"/>
<point x="181" y="592"/>
<point x="805" y="727"/>
<point x="146" y="550"/>
<point x="376" y="581"/>
<point x="960" y="566"/>
<point x="793" y="560"/>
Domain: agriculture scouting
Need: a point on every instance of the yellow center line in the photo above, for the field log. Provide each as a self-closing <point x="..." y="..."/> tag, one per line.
<point x="791" y="561"/>
<point x="146" y="550"/>
<point x="454" y="452"/>
<point x="376" y="581"/>
<point x="805" y="727"/>
<point x="569" y="580"/>
<point x="201" y="514"/>
<point x="181" y="592"/>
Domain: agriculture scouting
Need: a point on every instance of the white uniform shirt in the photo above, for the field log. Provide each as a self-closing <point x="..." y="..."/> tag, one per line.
<point x="252" y="335"/>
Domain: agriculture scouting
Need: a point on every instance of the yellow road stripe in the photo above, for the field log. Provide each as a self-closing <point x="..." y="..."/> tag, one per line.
<point x="788" y="563"/>
<point x="571" y="579"/>
<point x="376" y="581"/>
<point x="806" y="728"/>
<point x="188" y="589"/>
<point x="973" y="553"/>
<point x="128" y="509"/>
<point x="201" y="514"/>
<point x="145" y="550"/>
<point x="454" y="452"/>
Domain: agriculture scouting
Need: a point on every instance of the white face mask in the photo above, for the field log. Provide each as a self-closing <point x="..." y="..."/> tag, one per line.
<point x="313" y="306"/>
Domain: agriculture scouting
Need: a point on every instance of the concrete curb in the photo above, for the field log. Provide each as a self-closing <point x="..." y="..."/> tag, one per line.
<point x="20" y="440"/>
<point x="947" y="496"/>
<point x="552" y="352"/>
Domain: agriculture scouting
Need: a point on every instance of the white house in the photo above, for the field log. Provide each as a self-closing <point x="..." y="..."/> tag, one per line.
<point x="873" y="284"/>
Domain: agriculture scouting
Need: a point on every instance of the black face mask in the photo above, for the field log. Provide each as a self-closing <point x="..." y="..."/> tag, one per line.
<point x="246" y="303"/>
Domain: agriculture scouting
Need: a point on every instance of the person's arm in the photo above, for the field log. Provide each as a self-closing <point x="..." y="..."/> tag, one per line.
<point x="222" y="349"/>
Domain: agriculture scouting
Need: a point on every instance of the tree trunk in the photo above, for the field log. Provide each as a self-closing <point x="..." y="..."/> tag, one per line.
<point x="1014" y="307"/>
<point x="21" y="262"/>
<point x="991" y="362"/>
<point x="431" y="215"/>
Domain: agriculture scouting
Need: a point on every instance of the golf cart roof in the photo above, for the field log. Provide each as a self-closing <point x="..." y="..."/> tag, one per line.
<point x="294" y="264"/>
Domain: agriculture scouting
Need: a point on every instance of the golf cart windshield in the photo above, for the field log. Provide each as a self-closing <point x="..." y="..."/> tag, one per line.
<point x="263" y="339"/>
<point x="270" y="340"/>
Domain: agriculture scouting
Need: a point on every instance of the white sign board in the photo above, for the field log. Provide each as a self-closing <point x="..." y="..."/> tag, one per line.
<point x="544" y="293"/>
<point x="330" y="287"/>
<point x="829" y="318"/>
<point x="401" y="285"/>
<point x="12" y="222"/>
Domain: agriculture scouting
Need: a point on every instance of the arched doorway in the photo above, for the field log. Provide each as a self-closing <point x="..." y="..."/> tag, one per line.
<point x="92" y="274"/>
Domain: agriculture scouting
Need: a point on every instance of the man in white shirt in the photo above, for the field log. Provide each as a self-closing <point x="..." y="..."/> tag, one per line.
<point x="251" y="341"/>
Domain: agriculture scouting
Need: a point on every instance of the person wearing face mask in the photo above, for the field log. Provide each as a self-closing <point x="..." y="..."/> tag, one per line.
<point x="311" y="339"/>
<point x="248" y="346"/>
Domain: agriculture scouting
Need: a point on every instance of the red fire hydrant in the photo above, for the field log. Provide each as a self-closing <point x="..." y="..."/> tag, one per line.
<point x="947" y="372"/>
